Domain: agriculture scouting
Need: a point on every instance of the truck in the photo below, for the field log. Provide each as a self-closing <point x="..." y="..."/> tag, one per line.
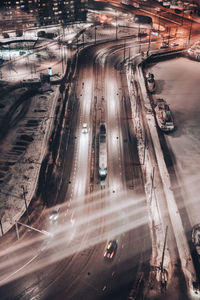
<point x="164" y="116"/>
<point x="194" y="51"/>
<point x="196" y="239"/>
<point x="151" y="85"/>
<point x="102" y="151"/>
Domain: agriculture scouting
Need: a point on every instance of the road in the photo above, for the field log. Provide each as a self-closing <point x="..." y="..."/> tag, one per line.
<point x="70" y="264"/>
<point x="92" y="215"/>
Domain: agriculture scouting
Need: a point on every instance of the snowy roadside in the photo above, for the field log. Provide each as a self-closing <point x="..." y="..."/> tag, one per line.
<point x="24" y="146"/>
<point x="157" y="185"/>
<point x="150" y="173"/>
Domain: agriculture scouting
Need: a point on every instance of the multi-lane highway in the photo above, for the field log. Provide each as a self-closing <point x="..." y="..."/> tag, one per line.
<point x="94" y="213"/>
<point x="70" y="264"/>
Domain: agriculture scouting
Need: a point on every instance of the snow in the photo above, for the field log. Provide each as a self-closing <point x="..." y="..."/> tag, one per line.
<point x="178" y="83"/>
<point x="19" y="68"/>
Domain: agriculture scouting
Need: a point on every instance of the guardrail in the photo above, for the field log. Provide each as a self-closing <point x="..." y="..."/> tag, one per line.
<point x="165" y="55"/>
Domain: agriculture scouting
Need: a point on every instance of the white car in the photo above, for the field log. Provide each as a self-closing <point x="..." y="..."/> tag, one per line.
<point x="85" y="128"/>
<point x="174" y="44"/>
<point x="164" y="45"/>
<point x="55" y="214"/>
<point x="194" y="51"/>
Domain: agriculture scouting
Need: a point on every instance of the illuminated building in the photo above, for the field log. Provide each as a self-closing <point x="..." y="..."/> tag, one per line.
<point x="21" y="13"/>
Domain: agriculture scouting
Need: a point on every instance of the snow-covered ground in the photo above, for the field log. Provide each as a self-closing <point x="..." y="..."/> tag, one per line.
<point x="178" y="82"/>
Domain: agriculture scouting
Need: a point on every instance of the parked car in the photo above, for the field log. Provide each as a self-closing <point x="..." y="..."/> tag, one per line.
<point x="194" y="51"/>
<point x="164" y="45"/>
<point x="41" y="33"/>
<point x="50" y="35"/>
<point x="19" y="33"/>
<point x="55" y="214"/>
<point x="174" y="44"/>
<point x="5" y="35"/>
<point x="151" y="85"/>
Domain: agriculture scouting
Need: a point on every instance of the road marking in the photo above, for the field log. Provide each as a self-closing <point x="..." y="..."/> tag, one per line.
<point x="26" y="264"/>
<point x="104" y="288"/>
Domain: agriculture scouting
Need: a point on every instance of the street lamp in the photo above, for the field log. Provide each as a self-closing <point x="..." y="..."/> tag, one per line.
<point x="116" y="25"/>
<point x="124" y="50"/>
<point x="95" y="28"/>
<point x="149" y="43"/>
<point x="169" y="29"/>
<point x="190" y="32"/>
<point x="24" y="196"/>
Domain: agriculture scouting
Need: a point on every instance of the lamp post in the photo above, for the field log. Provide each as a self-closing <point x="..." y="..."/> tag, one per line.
<point x="95" y="37"/>
<point x="116" y="25"/>
<point x="149" y="43"/>
<point x="163" y="253"/>
<point x="124" y="50"/>
<point x="169" y="34"/>
<point x="83" y="38"/>
<point x="1" y="227"/>
<point x="190" y="32"/>
<point x="139" y="38"/>
<point x="24" y="196"/>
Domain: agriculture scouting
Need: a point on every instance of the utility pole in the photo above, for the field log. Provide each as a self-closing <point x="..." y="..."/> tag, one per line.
<point x="182" y="17"/>
<point x="139" y="38"/>
<point x="190" y="32"/>
<point x="149" y="44"/>
<point x="24" y="196"/>
<point x="169" y="35"/>
<point x="124" y="50"/>
<point x="1" y="227"/>
<point x="163" y="254"/>
<point x="17" y="230"/>
<point x="152" y="182"/>
<point x="95" y="37"/>
<point x="145" y="143"/>
<point x="83" y="39"/>
<point x="116" y="26"/>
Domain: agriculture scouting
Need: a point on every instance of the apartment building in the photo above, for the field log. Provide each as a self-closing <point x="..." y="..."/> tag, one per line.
<point x="26" y="13"/>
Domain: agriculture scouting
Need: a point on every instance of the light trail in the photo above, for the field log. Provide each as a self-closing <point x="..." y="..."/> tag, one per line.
<point x="60" y="246"/>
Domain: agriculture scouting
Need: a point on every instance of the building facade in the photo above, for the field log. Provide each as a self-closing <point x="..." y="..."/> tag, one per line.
<point x="26" y="13"/>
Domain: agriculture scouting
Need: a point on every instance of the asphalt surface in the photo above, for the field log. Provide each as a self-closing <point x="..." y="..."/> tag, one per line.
<point x="89" y="220"/>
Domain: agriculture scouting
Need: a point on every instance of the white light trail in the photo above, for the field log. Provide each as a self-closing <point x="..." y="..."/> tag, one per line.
<point x="61" y="246"/>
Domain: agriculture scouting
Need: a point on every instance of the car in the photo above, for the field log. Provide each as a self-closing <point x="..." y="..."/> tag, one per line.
<point x="50" y="35"/>
<point x="55" y="214"/>
<point x="111" y="249"/>
<point x="19" y="33"/>
<point x="41" y="33"/>
<point x="151" y="85"/>
<point x="177" y="11"/>
<point x="164" y="45"/>
<point x="194" y="51"/>
<point x="5" y="35"/>
<point x="174" y="44"/>
<point x="84" y="128"/>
